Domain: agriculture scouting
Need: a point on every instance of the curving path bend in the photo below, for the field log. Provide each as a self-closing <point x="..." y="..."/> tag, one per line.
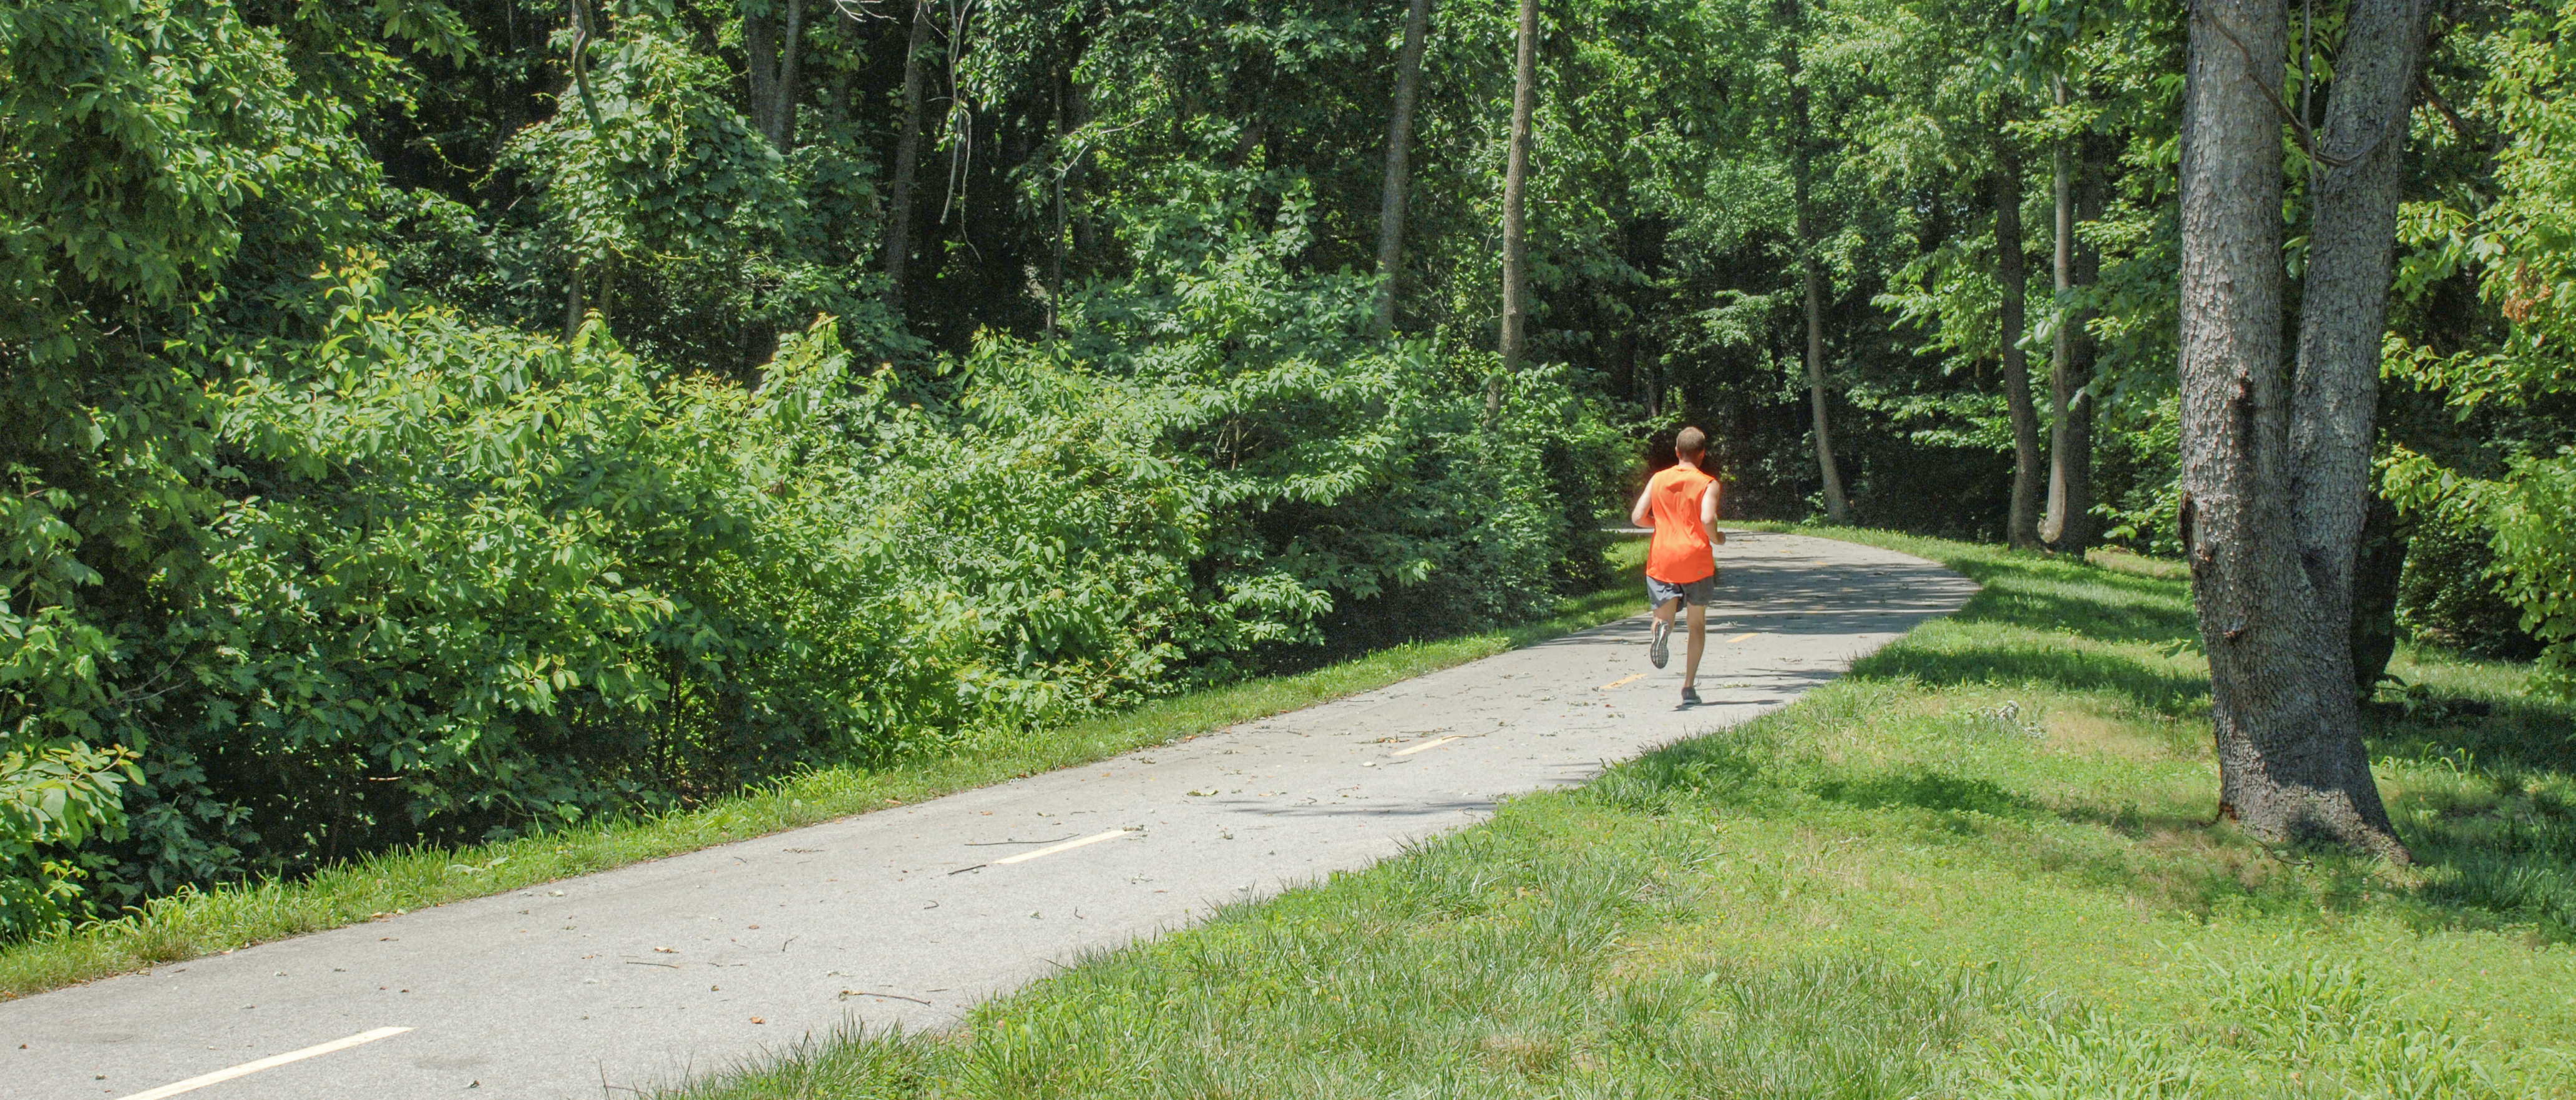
<point x="616" y="982"/>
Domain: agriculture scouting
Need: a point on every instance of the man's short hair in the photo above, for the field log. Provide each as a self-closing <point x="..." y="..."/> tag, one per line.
<point x="1692" y="443"/>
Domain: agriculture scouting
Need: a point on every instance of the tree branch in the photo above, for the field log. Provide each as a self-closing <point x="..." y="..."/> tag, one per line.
<point x="2307" y="135"/>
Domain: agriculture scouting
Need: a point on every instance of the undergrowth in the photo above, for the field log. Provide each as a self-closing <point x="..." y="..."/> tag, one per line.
<point x="192" y="923"/>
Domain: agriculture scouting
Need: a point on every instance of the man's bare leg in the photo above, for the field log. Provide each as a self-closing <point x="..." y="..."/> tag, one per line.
<point x="1698" y="641"/>
<point x="1659" y="634"/>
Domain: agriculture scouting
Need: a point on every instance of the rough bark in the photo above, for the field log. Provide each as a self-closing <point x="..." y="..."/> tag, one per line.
<point x="1399" y="153"/>
<point x="1515" y="213"/>
<point x="2291" y="762"/>
<point x="1811" y="274"/>
<point x="2068" y="526"/>
<point x="2343" y="316"/>
<point x="907" y="159"/>
<point x="2021" y="528"/>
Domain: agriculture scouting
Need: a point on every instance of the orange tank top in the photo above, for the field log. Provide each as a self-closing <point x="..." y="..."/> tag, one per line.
<point x="1680" y="552"/>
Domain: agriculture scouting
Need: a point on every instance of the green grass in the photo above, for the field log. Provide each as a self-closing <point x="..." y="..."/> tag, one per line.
<point x="1982" y="864"/>
<point x="191" y="924"/>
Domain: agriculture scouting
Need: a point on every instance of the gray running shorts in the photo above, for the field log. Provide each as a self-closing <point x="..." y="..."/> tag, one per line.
<point x="1695" y="594"/>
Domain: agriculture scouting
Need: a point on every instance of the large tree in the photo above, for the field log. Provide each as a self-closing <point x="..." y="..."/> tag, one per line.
<point x="2275" y="467"/>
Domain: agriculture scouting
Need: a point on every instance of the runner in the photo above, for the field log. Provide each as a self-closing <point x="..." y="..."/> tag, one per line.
<point x="1680" y="503"/>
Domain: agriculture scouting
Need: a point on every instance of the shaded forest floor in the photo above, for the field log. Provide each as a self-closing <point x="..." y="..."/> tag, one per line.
<point x="190" y="924"/>
<point x="1983" y="863"/>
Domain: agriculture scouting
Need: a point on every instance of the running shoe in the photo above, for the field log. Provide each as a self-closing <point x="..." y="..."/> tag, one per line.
<point x="1658" y="647"/>
<point x="1690" y="696"/>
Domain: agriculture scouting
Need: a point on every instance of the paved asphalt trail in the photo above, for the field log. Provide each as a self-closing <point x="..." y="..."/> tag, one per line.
<point x="622" y="980"/>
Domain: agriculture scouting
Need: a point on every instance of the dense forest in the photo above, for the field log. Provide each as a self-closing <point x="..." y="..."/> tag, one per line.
<point x="435" y="420"/>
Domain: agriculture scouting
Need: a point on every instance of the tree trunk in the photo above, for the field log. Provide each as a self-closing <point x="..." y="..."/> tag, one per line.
<point x="907" y="160"/>
<point x="2021" y="527"/>
<point x="759" y="64"/>
<point x="1055" y="240"/>
<point x="2377" y="570"/>
<point x="791" y="53"/>
<point x="581" y="36"/>
<point x="573" y="309"/>
<point x="2343" y="317"/>
<point x="2069" y="524"/>
<point x="770" y="61"/>
<point x="1811" y="274"/>
<point x="2291" y="763"/>
<point x="1078" y="115"/>
<point x="1399" y="148"/>
<point x="1836" y="508"/>
<point x="580" y="86"/>
<point x="1515" y="215"/>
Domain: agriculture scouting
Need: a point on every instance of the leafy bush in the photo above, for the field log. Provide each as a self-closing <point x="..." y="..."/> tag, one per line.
<point x="52" y="800"/>
<point x="2451" y="591"/>
<point x="296" y="563"/>
<point x="2514" y="390"/>
<point x="1386" y="477"/>
<point x="467" y="581"/>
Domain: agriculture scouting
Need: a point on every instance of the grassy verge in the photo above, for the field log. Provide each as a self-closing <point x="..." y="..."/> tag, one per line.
<point x="192" y="924"/>
<point x="1982" y="864"/>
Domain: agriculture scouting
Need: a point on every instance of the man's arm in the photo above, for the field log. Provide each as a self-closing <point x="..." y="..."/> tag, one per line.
<point x="1641" y="516"/>
<point x="1708" y="515"/>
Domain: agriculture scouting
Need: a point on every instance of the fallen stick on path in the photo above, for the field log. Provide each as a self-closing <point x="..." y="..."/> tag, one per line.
<point x="846" y="994"/>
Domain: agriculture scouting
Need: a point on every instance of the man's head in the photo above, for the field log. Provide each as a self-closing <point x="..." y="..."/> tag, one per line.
<point x="1691" y="446"/>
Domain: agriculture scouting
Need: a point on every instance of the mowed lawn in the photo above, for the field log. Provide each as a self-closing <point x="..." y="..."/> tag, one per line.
<point x="1983" y="864"/>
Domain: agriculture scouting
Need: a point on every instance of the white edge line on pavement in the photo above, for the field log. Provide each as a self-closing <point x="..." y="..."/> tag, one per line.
<point x="271" y="1062"/>
<point x="1424" y="745"/>
<point x="1049" y="850"/>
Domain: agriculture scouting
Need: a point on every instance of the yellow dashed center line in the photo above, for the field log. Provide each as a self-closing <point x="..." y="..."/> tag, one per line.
<point x="1432" y="744"/>
<point x="1738" y="638"/>
<point x="1621" y="682"/>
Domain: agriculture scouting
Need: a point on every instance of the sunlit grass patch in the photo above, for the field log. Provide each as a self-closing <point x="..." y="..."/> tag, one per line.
<point x="1985" y="863"/>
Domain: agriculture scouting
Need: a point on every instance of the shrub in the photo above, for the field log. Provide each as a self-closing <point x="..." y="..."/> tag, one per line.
<point x="455" y="582"/>
<point x="2451" y="593"/>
